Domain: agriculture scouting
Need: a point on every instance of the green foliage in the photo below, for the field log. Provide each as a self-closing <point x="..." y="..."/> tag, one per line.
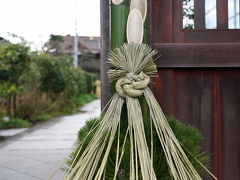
<point x="43" y="118"/>
<point x="56" y="38"/>
<point x="53" y="82"/>
<point x="14" y="123"/>
<point x="59" y="76"/>
<point x="31" y="80"/>
<point x="189" y="137"/>
<point x="76" y="82"/>
<point x="52" y="78"/>
<point x="15" y="60"/>
<point x="6" y="89"/>
<point x="90" y="78"/>
<point x="3" y="112"/>
<point x="4" y="75"/>
<point x="83" y="99"/>
<point x="64" y="106"/>
<point x="188" y="14"/>
<point x="36" y="83"/>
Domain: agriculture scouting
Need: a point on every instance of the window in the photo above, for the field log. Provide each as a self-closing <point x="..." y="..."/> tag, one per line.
<point x="197" y="33"/>
<point x="202" y="14"/>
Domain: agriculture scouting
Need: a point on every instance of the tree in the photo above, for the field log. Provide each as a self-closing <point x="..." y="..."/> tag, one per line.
<point x="15" y="60"/>
<point x="188" y="14"/>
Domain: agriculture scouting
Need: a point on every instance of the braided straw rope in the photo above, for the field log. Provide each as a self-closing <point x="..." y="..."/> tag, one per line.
<point x="132" y="85"/>
<point x="131" y="66"/>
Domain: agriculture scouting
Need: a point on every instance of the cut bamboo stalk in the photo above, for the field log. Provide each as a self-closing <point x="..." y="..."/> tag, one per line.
<point x="117" y="2"/>
<point x="141" y="5"/>
<point x="135" y="27"/>
<point x="119" y="16"/>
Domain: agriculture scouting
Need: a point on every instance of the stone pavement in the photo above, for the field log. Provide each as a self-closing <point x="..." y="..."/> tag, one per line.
<point x="38" y="152"/>
<point x="11" y="132"/>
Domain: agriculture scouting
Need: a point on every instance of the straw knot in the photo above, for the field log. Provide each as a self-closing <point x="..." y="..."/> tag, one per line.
<point x="132" y="85"/>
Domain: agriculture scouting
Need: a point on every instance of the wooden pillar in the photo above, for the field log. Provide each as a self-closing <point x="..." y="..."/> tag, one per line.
<point x="105" y="47"/>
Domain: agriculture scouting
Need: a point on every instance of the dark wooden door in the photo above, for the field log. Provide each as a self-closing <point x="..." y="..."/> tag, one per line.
<point x="199" y="79"/>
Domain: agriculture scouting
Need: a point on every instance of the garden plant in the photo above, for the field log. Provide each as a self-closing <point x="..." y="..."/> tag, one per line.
<point x="35" y="85"/>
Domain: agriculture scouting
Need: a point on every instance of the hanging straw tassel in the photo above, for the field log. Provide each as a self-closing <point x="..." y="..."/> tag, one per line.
<point x="135" y="122"/>
<point x="86" y="167"/>
<point x="179" y="165"/>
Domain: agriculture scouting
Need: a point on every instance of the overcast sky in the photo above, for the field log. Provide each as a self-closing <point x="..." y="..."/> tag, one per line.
<point x="35" y="20"/>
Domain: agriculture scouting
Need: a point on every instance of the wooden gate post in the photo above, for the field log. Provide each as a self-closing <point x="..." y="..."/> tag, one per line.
<point x="105" y="47"/>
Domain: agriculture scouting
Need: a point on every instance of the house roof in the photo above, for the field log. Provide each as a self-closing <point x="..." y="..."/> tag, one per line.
<point x="85" y="43"/>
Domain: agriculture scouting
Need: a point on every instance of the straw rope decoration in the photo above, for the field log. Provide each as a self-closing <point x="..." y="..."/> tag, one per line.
<point x="131" y="66"/>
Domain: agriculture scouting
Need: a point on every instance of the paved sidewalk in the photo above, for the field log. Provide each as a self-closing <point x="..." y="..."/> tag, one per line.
<point x="39" y="151"/>
<point x="12" y="132"/>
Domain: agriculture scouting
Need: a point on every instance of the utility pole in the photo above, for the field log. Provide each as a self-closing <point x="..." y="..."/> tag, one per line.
<point x="75" y="63"/>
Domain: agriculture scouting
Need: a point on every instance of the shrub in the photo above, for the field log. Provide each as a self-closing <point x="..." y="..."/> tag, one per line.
<point x="4" y="75"/>
<point x="189" y="136"/>
<point x="15" y="61"/>
<point x="76" y="82"/>
<point x="36" y="83"/>
<point x="90" y="78"/>
<point x="15" y="123"/>
<point x="83" y="99"/>
<point x="53" y="82"/>
<point x="32" y="104"/>
<point x="52" y="77"/>
<point x="63" y="106"/>
<point x="42" y="118"/>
